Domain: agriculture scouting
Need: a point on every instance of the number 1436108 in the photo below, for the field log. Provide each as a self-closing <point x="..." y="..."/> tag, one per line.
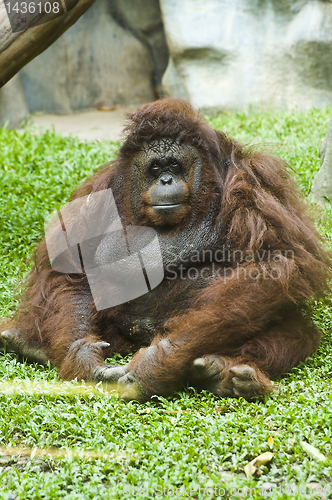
<point x="33" y="7"/>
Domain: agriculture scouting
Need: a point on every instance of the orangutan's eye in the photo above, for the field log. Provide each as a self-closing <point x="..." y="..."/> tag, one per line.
<point x="155" y="169"/>
<point x="175" y="167"/>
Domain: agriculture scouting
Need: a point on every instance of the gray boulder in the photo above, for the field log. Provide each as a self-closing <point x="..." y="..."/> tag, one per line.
<point x="321" y="191"/>
<point x="13" y="108"/>
<point x="231" y="54"/>
<point x="143" y="17"/>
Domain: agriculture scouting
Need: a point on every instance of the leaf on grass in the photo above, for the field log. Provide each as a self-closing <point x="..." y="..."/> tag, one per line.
<point x="54" y="453"/>
<point x="270" y="441"/>
<point x="313" y="452"/>
<point x="253" y="467"/>
<point x="106" y="108"/>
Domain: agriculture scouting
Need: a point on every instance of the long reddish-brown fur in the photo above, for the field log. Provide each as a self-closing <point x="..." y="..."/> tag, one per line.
<point x="255" y="322"/>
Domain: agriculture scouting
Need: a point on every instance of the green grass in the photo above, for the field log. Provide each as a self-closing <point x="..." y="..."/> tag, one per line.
<point x="190" y="440"/>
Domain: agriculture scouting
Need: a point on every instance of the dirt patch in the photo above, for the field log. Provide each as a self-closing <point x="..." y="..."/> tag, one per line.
<point x="92" y="125"/>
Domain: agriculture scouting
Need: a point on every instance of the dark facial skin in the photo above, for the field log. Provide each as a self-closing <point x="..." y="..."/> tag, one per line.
<point x="168" y="173"/>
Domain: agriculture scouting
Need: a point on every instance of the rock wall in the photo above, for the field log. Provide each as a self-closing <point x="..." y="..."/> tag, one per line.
<point x="115" y="53"/>
<point x="233" y="53"/>
<point x="223" y="54"/>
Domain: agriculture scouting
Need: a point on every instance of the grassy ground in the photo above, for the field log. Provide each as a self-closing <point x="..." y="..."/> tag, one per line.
<point x="191" y="440"/>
